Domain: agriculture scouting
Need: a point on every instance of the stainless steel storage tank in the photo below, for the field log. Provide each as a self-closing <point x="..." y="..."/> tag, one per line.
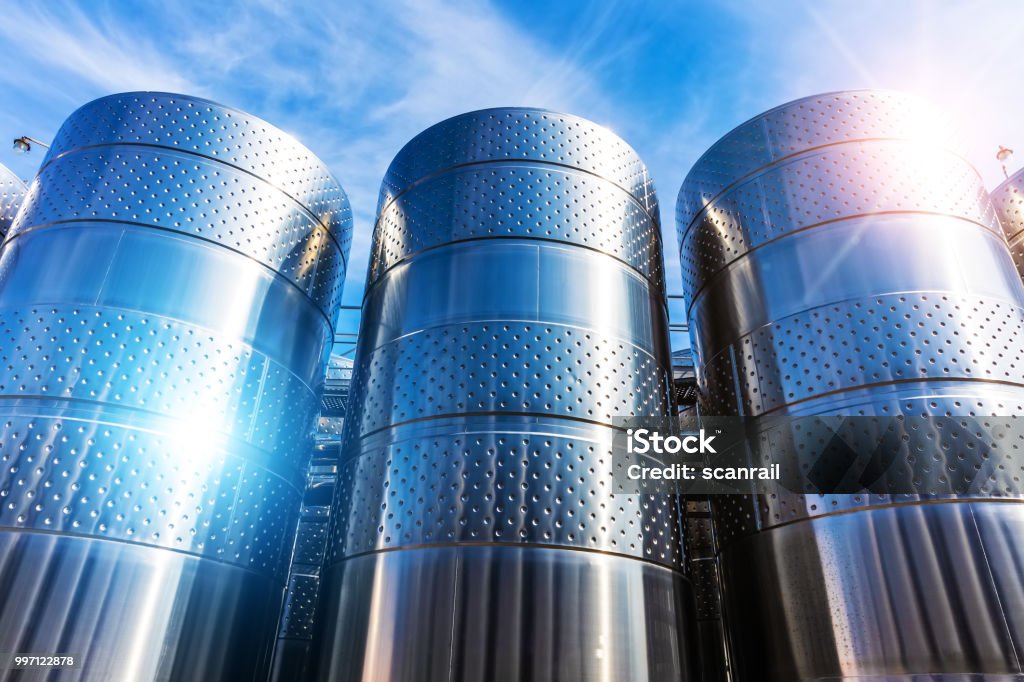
<point x="839" y="258"/>
<point x="514" y="306"/>
<point x="166" y="296"/>
<point x="1008" y="198"/>
<point x="12" y="193"/>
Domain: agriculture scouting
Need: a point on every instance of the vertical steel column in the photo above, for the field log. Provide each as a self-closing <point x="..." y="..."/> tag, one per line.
<point x="166" y="296"/>
<point x="514" y="306"/>
<point x="293" y="660"/>
<point x="840" y="259"/>
<point x="12" y="193"/>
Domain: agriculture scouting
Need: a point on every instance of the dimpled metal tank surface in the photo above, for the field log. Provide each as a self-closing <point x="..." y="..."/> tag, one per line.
<point x="514" y="306"/>
<point x="839" y="259"/>
<point x="1008" y="198"/>
<point x="166" y="296"/>
<point x="12" y="193"/>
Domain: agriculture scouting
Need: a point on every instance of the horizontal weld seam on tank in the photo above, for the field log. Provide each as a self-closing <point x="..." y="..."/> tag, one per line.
<point x="710" y="280"/>
<point x="182" y="98"/>
<point x="498" y="544"/>
<point x="460" y="415"/>
<point x="305" y="209"/>
<point x="803" y="311"/>
<point x="108" y="407"/>
<point x="464" y="431"/>
<point x="513" y="162"/>
<point x="890" y="382"/>
<point x="276" y="576"/>
<point x="35" y="304"/>
<point x="869" y="507"/>
<point x="807" y="98"/>
<point x="604" y="335"/>
<point x="525" y="238"/>
<point x="776" y="162"/>
<point x="910" y="211"/>
<point x="110" y="221"/>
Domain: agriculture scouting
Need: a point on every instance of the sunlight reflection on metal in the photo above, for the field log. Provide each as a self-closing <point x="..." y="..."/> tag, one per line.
<point x="165" y="344"/>
<point x="840" y="258"/>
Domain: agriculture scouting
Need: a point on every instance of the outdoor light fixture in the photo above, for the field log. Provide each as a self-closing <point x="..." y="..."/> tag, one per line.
<point x="23" y="144"/>
<point x="1002" y="156"/>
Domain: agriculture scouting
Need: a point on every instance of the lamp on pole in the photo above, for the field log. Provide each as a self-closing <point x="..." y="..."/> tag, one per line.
<point x="23" y="144"/>
<point x="1002" y="156"/>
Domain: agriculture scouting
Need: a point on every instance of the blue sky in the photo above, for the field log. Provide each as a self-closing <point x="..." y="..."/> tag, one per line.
<point x="355" y="81"/>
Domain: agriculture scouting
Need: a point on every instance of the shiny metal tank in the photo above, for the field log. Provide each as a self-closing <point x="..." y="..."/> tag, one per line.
<point x="12" y="193"/>
<point x="166" y="303"/>
<point x="1008" y="199"/>
<point x="514" y="306"/>
<point x="840" y="257"/>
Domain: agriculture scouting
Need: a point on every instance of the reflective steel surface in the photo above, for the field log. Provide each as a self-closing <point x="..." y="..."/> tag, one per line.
<point x="166" y="297"/>
<point x="514" y="305"/>
<point x="12" y="193"/>
<point x="1008" y="199"/>
<point x="841" y="258"/>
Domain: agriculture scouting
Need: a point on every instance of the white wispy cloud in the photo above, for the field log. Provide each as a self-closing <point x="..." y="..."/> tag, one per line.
<point x="372" y="76"/>
<point x="960" y="55"/>
<point x="355" y="81"/>
<point x="88" y="50"/>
